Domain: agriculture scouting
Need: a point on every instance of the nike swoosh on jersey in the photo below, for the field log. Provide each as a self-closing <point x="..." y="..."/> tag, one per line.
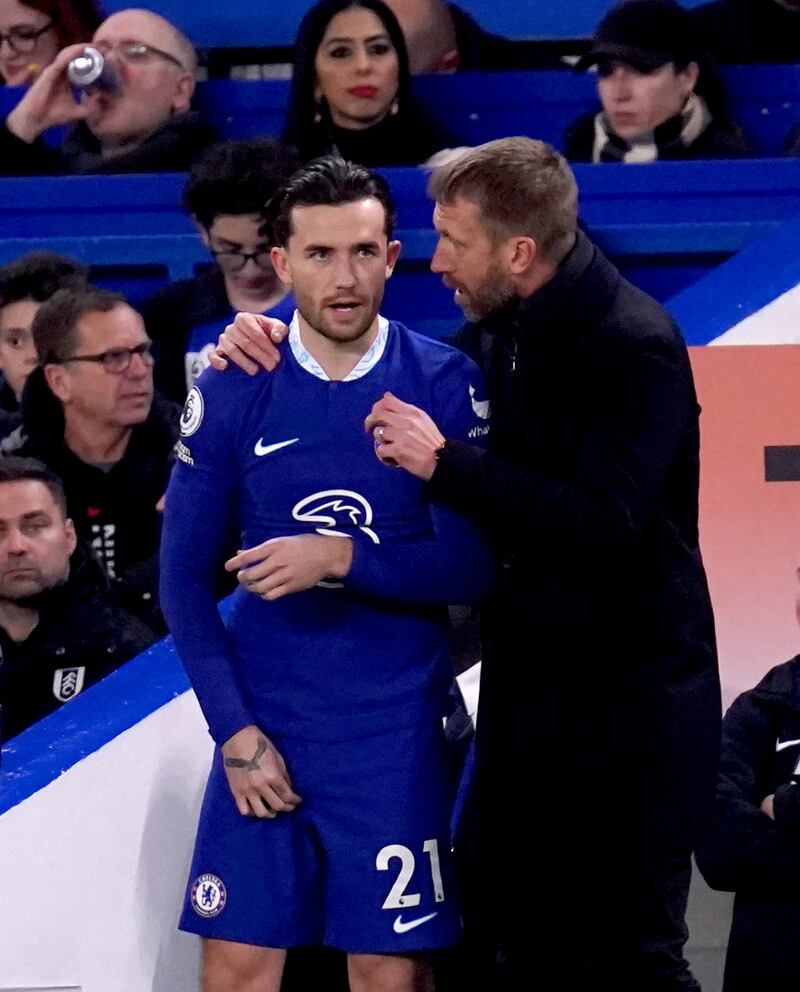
<point x="403" y="927"/>
<point x="780" y="745"/>
<point x="267" y="449"/>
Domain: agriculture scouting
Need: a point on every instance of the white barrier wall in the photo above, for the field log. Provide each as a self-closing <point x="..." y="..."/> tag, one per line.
<point x="93" y="866"/>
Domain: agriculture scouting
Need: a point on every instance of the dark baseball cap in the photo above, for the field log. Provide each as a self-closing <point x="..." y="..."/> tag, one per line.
<point x="645" y="34"/>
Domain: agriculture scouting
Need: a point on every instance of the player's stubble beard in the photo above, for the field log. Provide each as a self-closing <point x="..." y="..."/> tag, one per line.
<point x="314" y="316"/>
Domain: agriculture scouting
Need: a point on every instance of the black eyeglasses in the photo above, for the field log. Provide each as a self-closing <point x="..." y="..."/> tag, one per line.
<point x="23" y="40"/>
<point x="116" y="360"/>
<point x="235" y="261"/>
<point x="136" y="52"/>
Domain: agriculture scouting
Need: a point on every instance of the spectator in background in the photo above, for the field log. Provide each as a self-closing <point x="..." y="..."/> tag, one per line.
<point x="89" y="412"/>
<point x="33" y="32"/>
<point x="226" y="194"/>
<point x="743" y="31"/>
<point x="661" y="96"/>
<point x="351" y="89"/>
<point x="145" y="125"/>
<point x="61" y="629"/>
<point x="753" y="847"/>
<point x="442" y="38"/>
<point x="24" y="285"/>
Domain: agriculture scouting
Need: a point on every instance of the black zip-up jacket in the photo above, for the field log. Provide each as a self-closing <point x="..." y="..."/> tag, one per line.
<point x="82" y="635"/>
<point x="114" y="511"/>
<point x="173" y="147"/>
<point x="750" y="854"/>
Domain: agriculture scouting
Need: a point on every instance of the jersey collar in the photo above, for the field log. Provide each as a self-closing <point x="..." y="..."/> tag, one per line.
<point x="368" y="361"/>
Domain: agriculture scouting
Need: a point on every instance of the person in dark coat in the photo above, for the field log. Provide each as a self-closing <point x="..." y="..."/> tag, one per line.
<point x="753" y="845"/>
<point x="144" y="124"/>
<point x="351" y="89"/>
<point x="61" y="629"/>
<point x="750" y="31"/>
<point x="661" y="96"/>
<point x="598" y="727"/>
<point x="225" y="195"/>
<point x="90" y="413"/>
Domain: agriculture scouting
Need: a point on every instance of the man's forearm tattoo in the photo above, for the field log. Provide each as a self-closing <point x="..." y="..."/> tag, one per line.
<point x="252" y="765"/>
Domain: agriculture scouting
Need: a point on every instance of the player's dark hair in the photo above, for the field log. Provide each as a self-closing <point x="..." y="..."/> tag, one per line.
<point x="39" y="274"/>
<point x="237" y="177"/>
<point x="330" y="182"/>
<point x="16" y="469"/>
<point x="55" y="326"/>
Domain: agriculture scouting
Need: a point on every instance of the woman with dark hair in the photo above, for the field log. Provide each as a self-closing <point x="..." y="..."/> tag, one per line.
<point x="661" y="94"/>
<point x="351" y="91"/>
<point x="32" y="32"/>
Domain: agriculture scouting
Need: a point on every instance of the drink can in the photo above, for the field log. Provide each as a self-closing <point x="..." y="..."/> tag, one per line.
<point x="91" y="69"/>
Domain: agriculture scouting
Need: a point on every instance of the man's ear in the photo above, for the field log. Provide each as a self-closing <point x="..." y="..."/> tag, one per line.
<point x="393" y="250"/>
<point x="184" y="91"/>
<point x="72" y="538"/>
<point x="521" y="253"/>
<point x="58" y="379"/>
<point x="281" y="265"/>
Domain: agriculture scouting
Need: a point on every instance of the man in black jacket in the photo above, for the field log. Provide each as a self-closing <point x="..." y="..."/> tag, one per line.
<point x="61" y="629"/>
<point x="142" y="124"/>
<point x="753" y="846"/>
<point x="599" y="715"/>
<point x="598" y="729"/>
<point x="90" y="413"/>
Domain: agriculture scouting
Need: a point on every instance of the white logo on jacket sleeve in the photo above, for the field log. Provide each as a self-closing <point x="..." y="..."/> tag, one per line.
<point x="192" y="415"/>
<point x="481" y="408"/>
<point x="68" y="682"/>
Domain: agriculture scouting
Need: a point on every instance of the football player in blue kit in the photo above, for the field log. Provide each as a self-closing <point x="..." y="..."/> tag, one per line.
<point x="326" y="816"/>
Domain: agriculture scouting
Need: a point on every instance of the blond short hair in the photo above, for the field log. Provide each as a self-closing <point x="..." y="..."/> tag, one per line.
<point x="521" y="187"/>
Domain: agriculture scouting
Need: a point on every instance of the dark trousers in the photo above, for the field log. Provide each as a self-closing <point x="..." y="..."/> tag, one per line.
<point x="621" y="930"/>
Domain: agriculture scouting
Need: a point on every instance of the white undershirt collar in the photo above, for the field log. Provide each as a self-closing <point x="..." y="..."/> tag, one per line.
<point x="369" y="359"/>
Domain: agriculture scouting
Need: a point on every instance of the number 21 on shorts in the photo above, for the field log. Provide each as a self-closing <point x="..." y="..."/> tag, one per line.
<point x="398" y="898"/>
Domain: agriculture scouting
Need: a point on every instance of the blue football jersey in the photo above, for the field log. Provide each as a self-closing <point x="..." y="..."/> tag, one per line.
<point x="286" y="453"/>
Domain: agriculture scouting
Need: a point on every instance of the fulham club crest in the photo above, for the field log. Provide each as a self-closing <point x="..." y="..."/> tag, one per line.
<point x="208" y="896"/>
<point x="67" y="683"/>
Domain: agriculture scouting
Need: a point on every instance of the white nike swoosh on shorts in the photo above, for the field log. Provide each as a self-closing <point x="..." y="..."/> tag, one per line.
<point x="266" y="449"/>
<point x="400" y="927"/>
<point x="780" y="745"/>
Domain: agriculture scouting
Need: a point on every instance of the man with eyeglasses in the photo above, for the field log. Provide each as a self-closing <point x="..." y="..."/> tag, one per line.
<point x="143" y="123"/>
<point x="90" y="413"/>
<point x="225" y="196"/>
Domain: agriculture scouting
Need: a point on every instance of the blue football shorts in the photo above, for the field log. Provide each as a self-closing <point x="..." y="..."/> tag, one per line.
<point x="362" y="864"/>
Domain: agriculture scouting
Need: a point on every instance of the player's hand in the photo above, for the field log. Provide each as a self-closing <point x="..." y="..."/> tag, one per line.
<point x="286" y="565"/>
<point x="404" y="435"/>
<point x="49" y="101"/>
<point x="249" y="342"/>
<point x="257" y="775"/>
<point x="768" y="806"/>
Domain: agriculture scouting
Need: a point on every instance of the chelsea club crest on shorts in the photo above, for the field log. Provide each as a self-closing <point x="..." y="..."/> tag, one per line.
<point x="208" y="895"/>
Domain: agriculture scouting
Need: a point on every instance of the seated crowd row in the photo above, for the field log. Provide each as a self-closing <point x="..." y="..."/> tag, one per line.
<point x="660" y="92"/>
